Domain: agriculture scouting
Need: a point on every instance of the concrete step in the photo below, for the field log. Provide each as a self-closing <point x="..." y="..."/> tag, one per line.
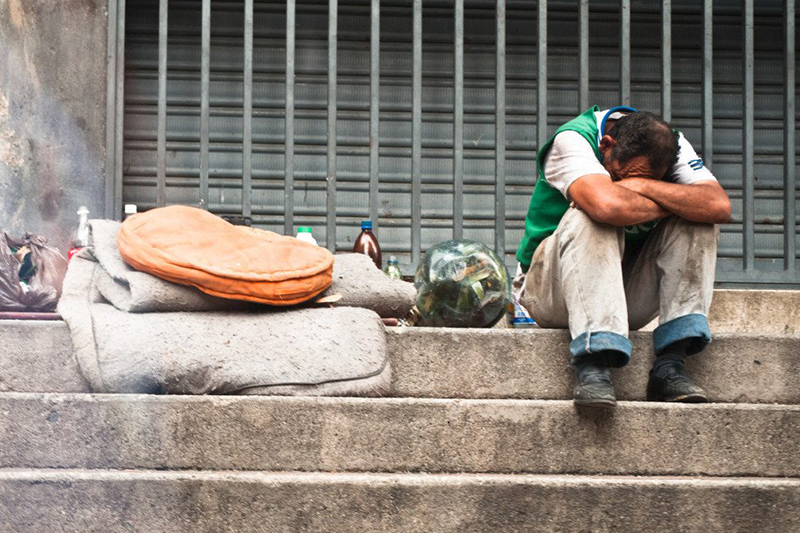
<point x="395" y="435"/>
<point x="481" y="363"/>
<point x="767" y="312"/>
<point x="72" y="501"/>
<point x="470" y="363"/>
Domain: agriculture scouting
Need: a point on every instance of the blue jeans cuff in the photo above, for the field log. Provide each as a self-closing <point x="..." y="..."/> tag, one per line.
<point x="693" y="327"/>
<point x="601" y="341"/>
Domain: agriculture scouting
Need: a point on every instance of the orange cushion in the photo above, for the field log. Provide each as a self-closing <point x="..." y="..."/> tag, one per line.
<point x="191" y="246"/>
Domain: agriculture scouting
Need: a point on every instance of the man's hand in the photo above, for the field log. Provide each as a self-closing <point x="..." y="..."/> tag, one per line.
<point x="606" y="201"/>
<point x="705" y="201"/>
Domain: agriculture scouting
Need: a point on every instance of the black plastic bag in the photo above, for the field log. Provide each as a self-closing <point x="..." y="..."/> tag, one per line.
<point x="43" y="269"/>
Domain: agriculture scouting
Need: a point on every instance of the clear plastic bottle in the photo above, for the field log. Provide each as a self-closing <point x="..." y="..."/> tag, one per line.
<point x="367" y="243"/>
<point x="304" y="234"/>
<point x="81" y="239"/>
<point x="393" y="268"/>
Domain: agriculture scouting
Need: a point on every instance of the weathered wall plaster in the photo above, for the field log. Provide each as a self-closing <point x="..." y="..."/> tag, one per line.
<point x="52" y="114"/>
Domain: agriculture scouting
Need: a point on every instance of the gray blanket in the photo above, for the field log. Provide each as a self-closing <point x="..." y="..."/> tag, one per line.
<point x="355" y="278"/>
<point x="129" y="290"/>
<point x="362" y="285"/>
<point x="217" y="346"/>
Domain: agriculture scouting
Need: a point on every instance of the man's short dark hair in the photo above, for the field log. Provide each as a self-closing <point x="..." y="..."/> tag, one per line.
<point x="643" y="133"/>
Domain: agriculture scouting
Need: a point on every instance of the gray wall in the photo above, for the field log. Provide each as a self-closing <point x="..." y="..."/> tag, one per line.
<point x="52" y="114"/>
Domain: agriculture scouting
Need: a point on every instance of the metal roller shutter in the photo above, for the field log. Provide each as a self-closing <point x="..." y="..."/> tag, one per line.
<point x="565" y="89"/>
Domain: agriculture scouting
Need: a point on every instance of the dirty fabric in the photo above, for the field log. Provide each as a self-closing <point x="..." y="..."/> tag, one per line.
<point x="584" y="267"/>
<point x="361" y="284"/>
<point x="129" y="290"/>
<point x="137" y="292"/>
<point x="316" y="351"/>
<point x="355" y="278"/>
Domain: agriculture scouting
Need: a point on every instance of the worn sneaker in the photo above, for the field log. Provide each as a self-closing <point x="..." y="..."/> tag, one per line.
<point x="672" y="384"/>
<point x="594" y="388"/>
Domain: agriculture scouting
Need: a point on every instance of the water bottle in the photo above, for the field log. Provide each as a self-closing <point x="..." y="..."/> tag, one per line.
<point x="367" y="243"/>
<point x="81" y="239"/>
<point x="393" y="269"/>
<point x="304" y="234"/>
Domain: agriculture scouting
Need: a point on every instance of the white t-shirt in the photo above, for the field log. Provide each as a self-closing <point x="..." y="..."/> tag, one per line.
<point x="571" y="157"/>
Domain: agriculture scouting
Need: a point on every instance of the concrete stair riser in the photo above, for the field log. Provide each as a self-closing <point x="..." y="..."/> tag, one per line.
<point x="256" y="502"/>
<point x="766" y="312"/>
<point x="449" y="363"/>
<point x="432" y="362"/>
<point x="395" y="435"/>
<point x="37" y="356"/>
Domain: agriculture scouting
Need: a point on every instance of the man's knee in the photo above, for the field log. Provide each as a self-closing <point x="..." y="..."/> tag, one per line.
<point x="582" y="229"/>
<point x="698" y="232"/>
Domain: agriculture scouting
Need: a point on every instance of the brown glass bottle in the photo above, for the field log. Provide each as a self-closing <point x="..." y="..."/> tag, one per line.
<point x="367" y="243"/>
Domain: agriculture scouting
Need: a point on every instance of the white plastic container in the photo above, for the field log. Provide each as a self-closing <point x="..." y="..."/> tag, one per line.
<point x="304" y="234"/>
<point x="81" y="237"/>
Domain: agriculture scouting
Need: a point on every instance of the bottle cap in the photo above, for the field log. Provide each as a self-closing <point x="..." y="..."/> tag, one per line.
<point x="392" y="259"/>
<point x="83" y="210"/>
<point x="303" y="229"/>
<point x="366" y="224"/>
<point x="130" y="209"/>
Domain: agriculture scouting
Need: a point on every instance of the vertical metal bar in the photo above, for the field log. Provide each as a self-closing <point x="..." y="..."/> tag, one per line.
<point x="330" y="233"/>
<point x="161" y="178"/>
<point x="416" y="136"/>
<point x="747" y="137"/>
<point x="625" y="53"/>
<point x="789" y="184"/>
<point x="119" y="121"/>
<point x="205" y="67"/>
<point x="541" y="78"/>
<point x="708" y="82"/>
<point x="500" y="133"/>
<point x="583" y="54"/>
<point x="247" y="111"/>
<point x="666" y="60"/>
<point x="111" y="65"/>
<point x="288" y="192"/>
<point x="374" y="109"/>
<point x="458" y="124"/>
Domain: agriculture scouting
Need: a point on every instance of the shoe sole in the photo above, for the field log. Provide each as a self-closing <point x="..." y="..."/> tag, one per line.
<point x="596" y="402"/>
<point x="685" y="398"/>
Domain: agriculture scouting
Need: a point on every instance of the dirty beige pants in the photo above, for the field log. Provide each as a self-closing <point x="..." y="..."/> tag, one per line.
<point x="583" y="278"/>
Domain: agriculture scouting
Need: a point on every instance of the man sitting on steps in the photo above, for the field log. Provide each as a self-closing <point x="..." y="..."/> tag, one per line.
<point x="621" y="229"/>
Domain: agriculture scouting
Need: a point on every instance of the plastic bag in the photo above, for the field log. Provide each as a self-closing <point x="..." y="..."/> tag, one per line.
<point x="42" y="268"/>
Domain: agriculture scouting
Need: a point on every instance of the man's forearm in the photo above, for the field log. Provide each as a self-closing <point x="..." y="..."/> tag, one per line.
<point x="609" y="203"/>
<point x="630" y="209"/>
<point x="701" y="202"/>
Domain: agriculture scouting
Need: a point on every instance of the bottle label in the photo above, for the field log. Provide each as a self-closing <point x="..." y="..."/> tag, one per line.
<point x="519" y="318"/>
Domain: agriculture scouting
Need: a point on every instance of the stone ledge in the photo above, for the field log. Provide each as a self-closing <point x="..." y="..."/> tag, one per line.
<point x="755" y="311"/>
<point x="395" y="435"/>
<point x="534" y="363"/>
<point x="469" y="363"/>
<point x="248" y="502"/>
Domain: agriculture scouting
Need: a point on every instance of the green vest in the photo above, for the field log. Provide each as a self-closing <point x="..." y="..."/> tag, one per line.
<point x="548" y="205"/>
